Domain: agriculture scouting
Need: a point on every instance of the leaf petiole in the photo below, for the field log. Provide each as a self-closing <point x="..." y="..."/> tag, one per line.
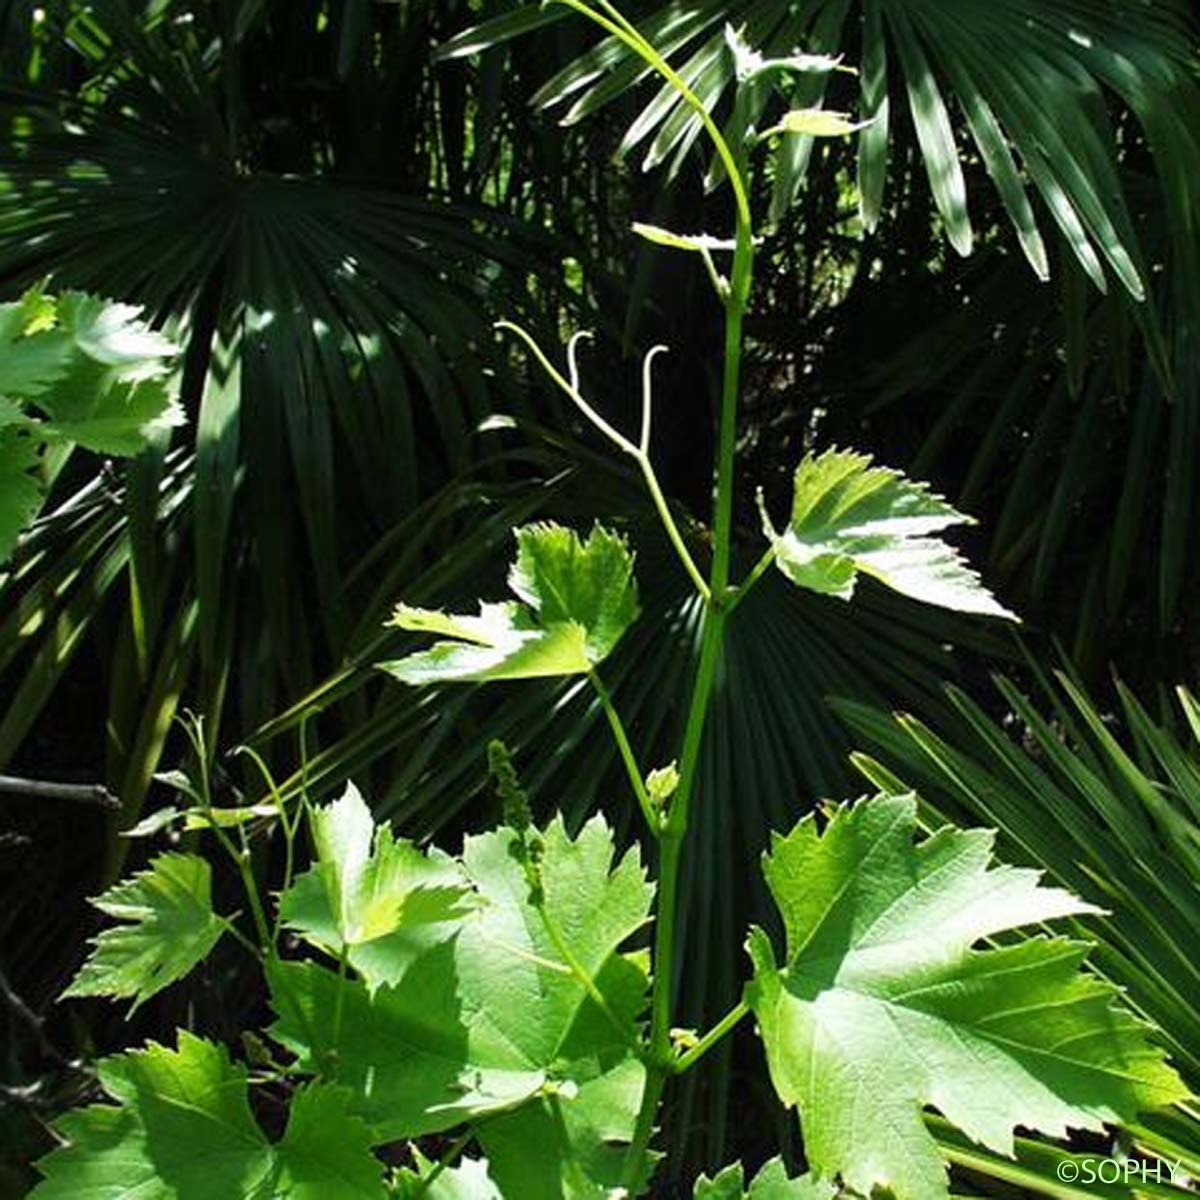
<point x="652" y="815"/>
<point x="761" y="567"/>
<point x="720" y="1030"/>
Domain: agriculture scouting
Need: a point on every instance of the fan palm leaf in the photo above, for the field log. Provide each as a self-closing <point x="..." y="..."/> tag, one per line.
<point x="1022" y="86"/>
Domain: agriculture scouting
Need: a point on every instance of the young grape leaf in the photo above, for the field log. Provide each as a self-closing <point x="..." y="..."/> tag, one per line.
<point x="183" y="1127"/>
<point x="496" y="1019"/>
<point x="577" y="598"/>
<point x="696" y="243"/>
<point x="817" y="122"/>
<point x="771" y="1183"/>
<point x="381" y="899"/>
<point x="170" y="927"/>
<point x="883" y="1006"/>
<point x="848" y="516"/>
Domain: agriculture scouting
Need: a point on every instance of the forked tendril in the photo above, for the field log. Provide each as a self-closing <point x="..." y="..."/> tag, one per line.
<point x="640" y="453"/>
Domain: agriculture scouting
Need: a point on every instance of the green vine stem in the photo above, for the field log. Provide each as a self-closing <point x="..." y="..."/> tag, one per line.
<point x="661" y="1057"/>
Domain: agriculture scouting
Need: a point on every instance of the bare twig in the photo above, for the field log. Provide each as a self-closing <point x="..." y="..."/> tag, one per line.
<point x="79" y="793"/>
<point x="31" y="1020"/>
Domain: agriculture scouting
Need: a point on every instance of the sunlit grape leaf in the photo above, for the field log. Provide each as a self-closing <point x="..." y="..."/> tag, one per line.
<point x="695" y="242"/>
<point x="771" y="1183"/>
<point x="20" y="491"/>
<point x="32" y="356"/>
<point x="817" y="122"/>
<point x="115" y="335"/>
<point x="883" y="1005"/>
<point x="468" y="1180"/>
<point x="169" y="926"/>
<point x="79" y="369"/>
<point x="848" y="516"/>
<point x="577" y="597"/>
<point x="494" y="1019"/>
<point x="115" y="391"/>
<point x="749" y="63"/>
<point x="183" y="1127"/>
<point x="380" y="897"/>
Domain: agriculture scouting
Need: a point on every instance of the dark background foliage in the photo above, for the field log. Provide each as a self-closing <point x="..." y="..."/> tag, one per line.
<point x="329" y="217"/>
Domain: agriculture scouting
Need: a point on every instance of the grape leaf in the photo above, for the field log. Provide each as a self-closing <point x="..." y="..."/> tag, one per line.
<point x="170" y="927"/>
<point x="183" y="1129"/>
<point x="20" y="489"/>
<point x="578" y="598"/>
<point x="817" y="122"/>
<point x="96" y="371"/>
<point x="114" y="392"/>
<point x="31" y="356"/>
<point x="495" y="1020"/>
<point x="572" y="1145"/>
<point x="883" y="1006"/>
<point x="750" y="63"/>
<point x="771" y="1183"/>
<point x="848" y="516"/>
<point x="380" y="898"/>
<point x="469" y="1180"/>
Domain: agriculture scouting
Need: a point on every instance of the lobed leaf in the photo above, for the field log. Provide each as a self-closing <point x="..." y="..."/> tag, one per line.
<point x="469" y="1180"/>
<point x="848" y="516"/>
<point x="183" y="1127"/>
<point x="494" y="1022"/>
<point x="20" y="488"/>
<point x="771" y="1183"/>
<point x="882" y="1006"/>
<point x="577" y="597"/>
<point x="381" y="899"/>
<point x="169" y="927"/>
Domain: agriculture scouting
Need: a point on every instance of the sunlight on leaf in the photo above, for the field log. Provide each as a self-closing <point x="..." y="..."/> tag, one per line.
<point x="883" y="1005"/>
<point x="494" y="1021"/>
<point x="170" y="926"/>
<point x="848" y="516"/>
<point x="380" y="897"/>
<point x="579" y="596"/>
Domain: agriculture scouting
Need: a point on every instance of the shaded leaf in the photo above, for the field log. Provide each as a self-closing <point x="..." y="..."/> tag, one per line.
<point x="20" y="490"/>
<point x="183" y="1127"/>
<point x="771" y="1183"/>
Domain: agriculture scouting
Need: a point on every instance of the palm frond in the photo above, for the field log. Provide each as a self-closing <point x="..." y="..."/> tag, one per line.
<point x="1021" y="86"/>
